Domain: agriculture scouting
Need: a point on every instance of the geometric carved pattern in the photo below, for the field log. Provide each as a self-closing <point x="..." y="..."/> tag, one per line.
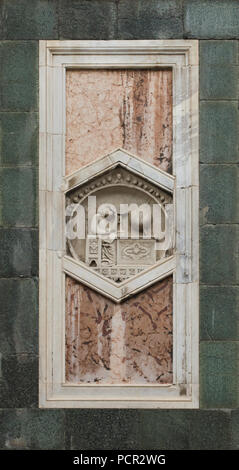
<point x="128" y="244"/>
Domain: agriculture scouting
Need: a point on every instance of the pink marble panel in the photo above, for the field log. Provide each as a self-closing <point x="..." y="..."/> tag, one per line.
<point x="107" y="109"/>
<point x="127" y="343"/>
<point x="148" y="320"/>
<point x="131" y="342"/>
<point x="88" y="334"/>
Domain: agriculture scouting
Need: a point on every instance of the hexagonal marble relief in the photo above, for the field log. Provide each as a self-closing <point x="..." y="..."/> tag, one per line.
<point x="123" y="204"/>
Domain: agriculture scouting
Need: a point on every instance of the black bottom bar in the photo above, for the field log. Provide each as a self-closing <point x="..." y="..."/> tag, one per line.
<point x="111" y="459"/>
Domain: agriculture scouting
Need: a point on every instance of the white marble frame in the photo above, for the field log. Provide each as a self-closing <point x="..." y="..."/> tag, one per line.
<point x="54" y="58"/>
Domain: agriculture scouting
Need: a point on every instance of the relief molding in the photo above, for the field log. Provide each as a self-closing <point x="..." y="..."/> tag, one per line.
<point x="122" y="256"/>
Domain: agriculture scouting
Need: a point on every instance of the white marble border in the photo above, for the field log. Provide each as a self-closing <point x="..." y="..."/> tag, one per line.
<point x="54" y="58"/>
<point x="126" y="159"/>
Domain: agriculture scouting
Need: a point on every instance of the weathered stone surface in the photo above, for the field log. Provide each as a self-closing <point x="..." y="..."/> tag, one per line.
<point x="148" y="318"/>
<point x="10" y="428"/>
<point x="219" y="313"/>
<point x="18" y="197"/>
<point x="235" y="429"/>
<point x="218" y="82"/>
<point x="86" y="19"/>
<point x="22" y="19"/>
<point x="19" y="138"/>
<point x="108" y="109"/>
<point x="117" y="429"/>
<point x="88" y="327"/>
<point x="18" y="252"/>
<point x="218" y="70"/>
<point x="184" y="429"/>
<point x="19" y="381"/>
<point x="149" y="19"/>
<point x="210" y="430"/>
<point x="164" y="429"/>
<point x="219" y="194"/>
<point x="219" y="122"/>
<point x="148" y="429"/>
<point x="19" y="75"/>
<point x="219" y="374"/>
<point x="32" y="429"/>
<point x="211" y="19"/>
<point x="127" y="343"/>
<point x="18" y="316"/>
<point x="218" y="52"/>
<point x="219" y="254"/>
<point x="102" y="429"/>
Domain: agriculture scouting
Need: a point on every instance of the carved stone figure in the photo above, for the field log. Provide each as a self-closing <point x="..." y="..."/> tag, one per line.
<point x="125" y="223"/>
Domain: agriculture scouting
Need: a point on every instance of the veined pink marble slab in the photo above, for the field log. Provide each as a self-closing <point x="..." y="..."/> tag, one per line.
<point x="127" y="343"/>
<point x="107" y="109"/>
<point x="131" y="342"/>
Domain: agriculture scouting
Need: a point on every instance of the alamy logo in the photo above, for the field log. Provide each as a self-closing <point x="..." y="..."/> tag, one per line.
<point x="130" y="221"/>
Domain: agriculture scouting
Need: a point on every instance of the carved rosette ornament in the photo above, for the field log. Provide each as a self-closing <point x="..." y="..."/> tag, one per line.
<point x="119" y="224"/>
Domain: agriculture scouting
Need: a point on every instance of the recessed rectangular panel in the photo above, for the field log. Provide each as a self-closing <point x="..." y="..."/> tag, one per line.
<point x="132" y="342"/>
<point x="129" y="343"/>
<point x="107" y="109"/>
<point x="118" y="126"/>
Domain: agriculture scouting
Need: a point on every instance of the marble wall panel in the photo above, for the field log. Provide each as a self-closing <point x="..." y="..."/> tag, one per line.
<point x="126" y="343"/>
<point x="107" y="109"/>
<point x="132" y="342"/>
